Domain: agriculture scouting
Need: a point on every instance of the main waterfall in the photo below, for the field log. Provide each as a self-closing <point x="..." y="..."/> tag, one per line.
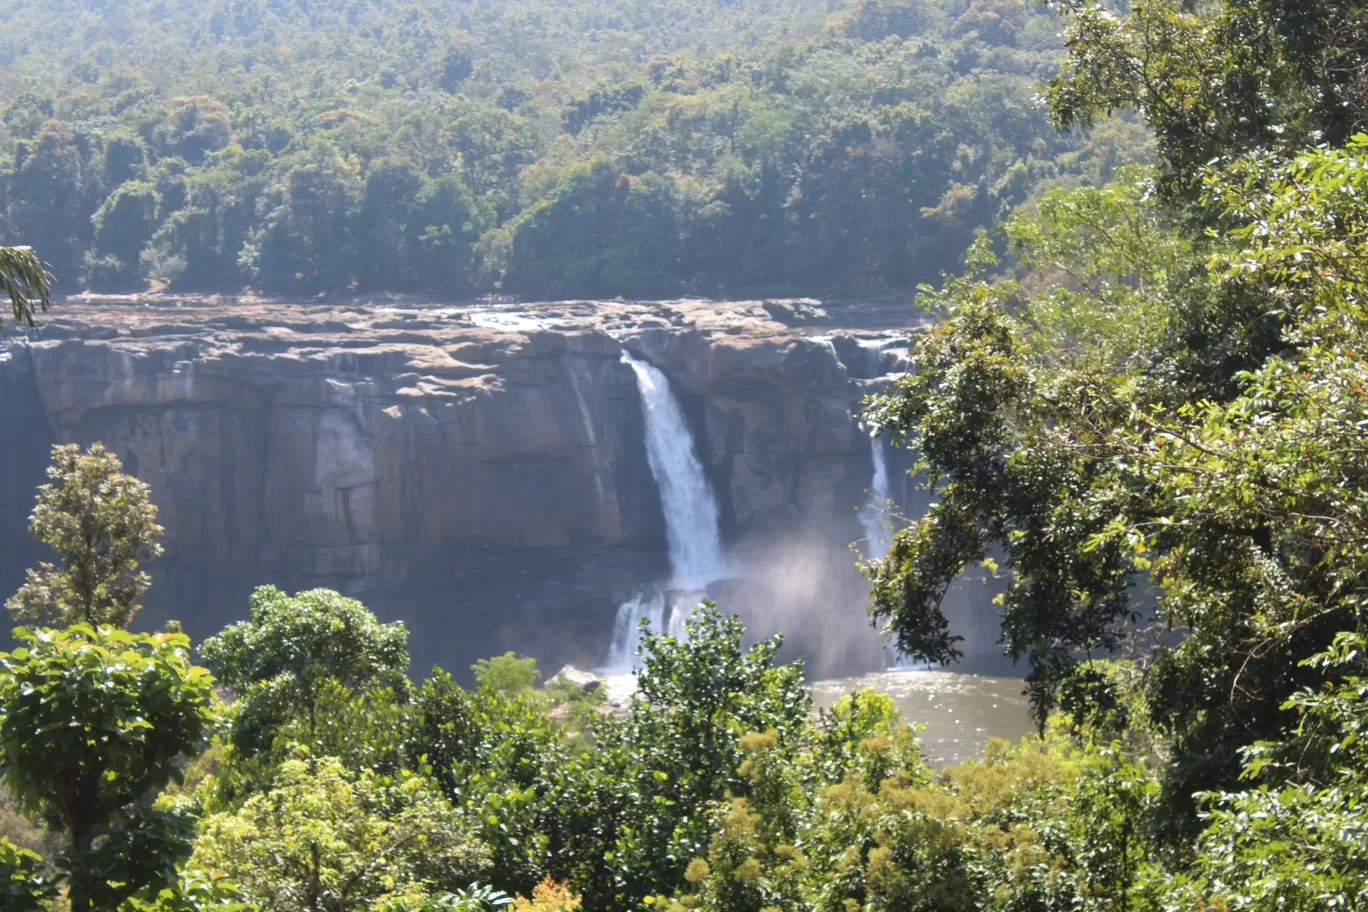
<point x="685" y="496"/>
<point x="691" y="516"/>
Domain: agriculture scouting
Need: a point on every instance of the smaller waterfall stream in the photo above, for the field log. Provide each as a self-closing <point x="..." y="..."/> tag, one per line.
<point x="874" y="517"/>
<point x="878" y="534"/>
<point x="645" y="606"/>
<point x="691" y="517"/>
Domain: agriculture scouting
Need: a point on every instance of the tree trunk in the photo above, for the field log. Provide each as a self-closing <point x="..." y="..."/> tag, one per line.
<point x="76" y="892"/>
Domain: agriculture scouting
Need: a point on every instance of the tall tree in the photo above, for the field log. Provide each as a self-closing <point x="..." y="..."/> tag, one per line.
<point x="52" y="198"/>
<point x="102" y="523"/>
<point x="93" y="723"/>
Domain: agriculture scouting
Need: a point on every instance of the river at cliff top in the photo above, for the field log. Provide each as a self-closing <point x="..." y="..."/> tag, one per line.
<point x="958" y="712"/>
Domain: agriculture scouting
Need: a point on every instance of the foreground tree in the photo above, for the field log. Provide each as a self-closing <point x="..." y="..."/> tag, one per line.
<point x="1217" y="79"/>
<point x="293" y="652"/>
<point x="102" y="523"/>
<point x="632" y="811"/>
<point x="25" y="281"/>
<point x="93" y="723"/>
<point x="1223" y="469"/>
<point x="329" y="839"/>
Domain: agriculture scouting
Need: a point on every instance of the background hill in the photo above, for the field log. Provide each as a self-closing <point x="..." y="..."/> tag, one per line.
<point x="538" y="148"/>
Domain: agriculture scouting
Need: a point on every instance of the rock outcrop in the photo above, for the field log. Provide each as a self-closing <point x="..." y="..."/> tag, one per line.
<point x="473" y="470"/>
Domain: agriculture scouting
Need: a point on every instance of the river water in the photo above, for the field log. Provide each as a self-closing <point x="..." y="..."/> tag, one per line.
<point x="960" y="712"/>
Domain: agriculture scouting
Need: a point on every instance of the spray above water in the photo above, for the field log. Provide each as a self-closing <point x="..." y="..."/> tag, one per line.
<point x="691" y="515"/>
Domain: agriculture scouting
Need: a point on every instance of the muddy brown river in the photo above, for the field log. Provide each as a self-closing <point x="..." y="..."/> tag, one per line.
<point x="960" y="712"/>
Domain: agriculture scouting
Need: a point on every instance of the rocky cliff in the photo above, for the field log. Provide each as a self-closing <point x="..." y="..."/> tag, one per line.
<point x="478" y="471"/>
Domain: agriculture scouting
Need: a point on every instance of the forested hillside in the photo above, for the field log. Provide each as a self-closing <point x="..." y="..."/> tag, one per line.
<point x="589" y="149"/>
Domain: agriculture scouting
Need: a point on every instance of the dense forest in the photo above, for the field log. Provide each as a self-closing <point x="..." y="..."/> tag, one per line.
<point x="1149" y="418"/>
<point x="575" y="149"/>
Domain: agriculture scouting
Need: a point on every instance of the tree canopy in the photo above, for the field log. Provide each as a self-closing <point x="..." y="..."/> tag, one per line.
<point x="93" y="723"/>
<point x="1155" y="431"/>
<point x="102" y="523"/>
<point x="565" y="149"/>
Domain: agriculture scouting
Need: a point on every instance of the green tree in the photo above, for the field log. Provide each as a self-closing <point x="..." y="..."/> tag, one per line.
<point x="1217" y="79"/>
<point x="507" y="674"/>
<point x="51" y="198"/>
<point x="280" y="662"/>
<point x="92" y="723"/>
<point x="125" y="160"/>
<point x="123" y="226"/>
<point x="498" y="757"/>
<point x="304" y="243"/>
<point x="101" y="523"/>
<point x="1093" y="472"/>
<point x="22" y="887"/>
<point x="194" y="127"/>
<point x="632" y="810"/>
<point x="1294" y="837"/>
<point x="26" y="282"/>
<point x="382" y="223"/>
<point x="329" y="839"/>
<point x="443" y="227"/>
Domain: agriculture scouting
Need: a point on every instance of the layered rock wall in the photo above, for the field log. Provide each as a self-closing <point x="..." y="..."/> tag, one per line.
<point x="477" y="471"/>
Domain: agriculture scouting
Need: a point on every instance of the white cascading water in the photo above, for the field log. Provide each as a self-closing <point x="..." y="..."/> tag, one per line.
<point x="646" y="606"/>
<point x="691" y="516"/>
<point x="878" y="536"/>
<point x="686" y="498"/>
<point x="872" y="349"/>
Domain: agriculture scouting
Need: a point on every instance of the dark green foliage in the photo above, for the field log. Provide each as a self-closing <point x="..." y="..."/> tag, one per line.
<point x="711" y="147"/>
<point x="22" y="887"/>
<point x="1221" y="78"/>
<point x="92" y="722"/>
<point x="637" y="808"/>
<point x="1140" y="417"/>
<point x="51" y="197"/>
<point x="443" y="226"/>
<point x="283" y="661"/>
<point x="123" y="226"/>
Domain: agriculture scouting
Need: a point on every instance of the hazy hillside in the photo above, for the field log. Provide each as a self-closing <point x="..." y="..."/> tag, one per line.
<point x="542" y="149"/>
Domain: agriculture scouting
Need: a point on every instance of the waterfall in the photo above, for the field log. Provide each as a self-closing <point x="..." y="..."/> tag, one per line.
<point x="878" y="536"/>
<point x="647" y="606"/>
<point x="691" y="529"/>
<point x="691" y="516"/>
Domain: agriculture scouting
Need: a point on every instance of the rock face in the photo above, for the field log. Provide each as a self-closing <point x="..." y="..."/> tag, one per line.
<point x="477" y="471"/>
